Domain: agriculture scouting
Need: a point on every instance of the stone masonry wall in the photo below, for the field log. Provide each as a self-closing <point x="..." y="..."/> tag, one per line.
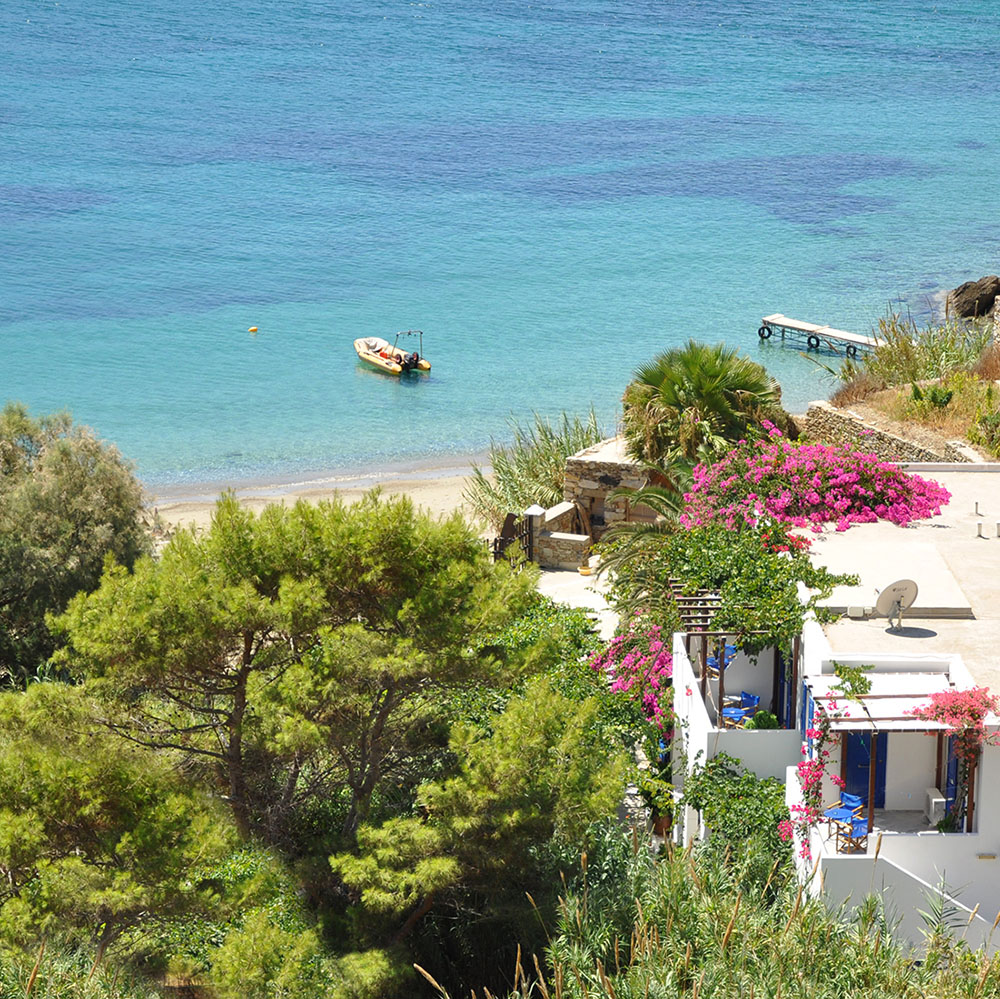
<point x="561" y="550"/>
<point x="595" y="472"/>
<point x="827" y="423"/>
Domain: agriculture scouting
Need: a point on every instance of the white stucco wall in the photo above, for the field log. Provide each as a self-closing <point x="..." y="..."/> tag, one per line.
<point x="767" y="753"/>
<point x="909" y="770"/>
<point x="987" y="800"/>
<point x="851" y="879"/>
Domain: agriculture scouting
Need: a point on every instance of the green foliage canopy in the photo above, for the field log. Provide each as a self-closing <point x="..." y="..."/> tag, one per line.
<point x="538" y="775"/>
<point x="206" y="650"/>
<point x="67" y="502"/>
<point x="95" y="836"/>
<point x="757" y="585"/>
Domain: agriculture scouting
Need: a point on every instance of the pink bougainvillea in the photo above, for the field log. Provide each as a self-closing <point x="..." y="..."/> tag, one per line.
<point x="807" y="485"/>
<point x="640" y="666"/>
<point x="810" y="772"/>
<point x="963" y="713"/>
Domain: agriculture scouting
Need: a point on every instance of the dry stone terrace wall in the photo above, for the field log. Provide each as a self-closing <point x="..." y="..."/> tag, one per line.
<point x="827" y="423"/>
<point x="595" y="472"/>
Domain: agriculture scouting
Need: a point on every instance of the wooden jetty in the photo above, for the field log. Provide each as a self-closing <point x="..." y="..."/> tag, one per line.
<point x="815" y="336"/>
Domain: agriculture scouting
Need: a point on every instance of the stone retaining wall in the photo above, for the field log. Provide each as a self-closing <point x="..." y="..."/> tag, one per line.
<point x="827" y="423"/>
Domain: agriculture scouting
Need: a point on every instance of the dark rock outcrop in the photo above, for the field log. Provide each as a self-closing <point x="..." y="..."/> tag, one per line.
<point x="974" y="298"/>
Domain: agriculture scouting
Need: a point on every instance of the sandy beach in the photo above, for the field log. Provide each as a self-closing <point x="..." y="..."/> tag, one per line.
<point x="435" y="489"/>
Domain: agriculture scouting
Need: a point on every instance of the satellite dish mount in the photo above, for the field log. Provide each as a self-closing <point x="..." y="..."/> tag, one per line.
<point x="894" y="599"/>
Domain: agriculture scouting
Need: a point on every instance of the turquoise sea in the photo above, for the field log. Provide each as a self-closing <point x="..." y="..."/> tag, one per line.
<point x="552" y="191"/>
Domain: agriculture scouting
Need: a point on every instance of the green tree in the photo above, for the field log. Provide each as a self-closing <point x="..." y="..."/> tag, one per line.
<point x="67" y="502"/>
<point x="539" y="776"/>
<point x="95" y="837"/>
<point x="209" y="650"/>
<point x="687" y="403"/>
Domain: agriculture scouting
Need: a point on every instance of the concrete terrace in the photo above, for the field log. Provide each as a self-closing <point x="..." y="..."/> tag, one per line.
<point x="588" y="592"/>
<point x="958" y="575"/>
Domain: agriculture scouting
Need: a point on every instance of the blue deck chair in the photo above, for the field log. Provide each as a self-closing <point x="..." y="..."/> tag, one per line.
<point x="734" y="717"/>
<point x="712" y="662"/>
<point x="852" y="837"/>
<point x="844" y="811"/>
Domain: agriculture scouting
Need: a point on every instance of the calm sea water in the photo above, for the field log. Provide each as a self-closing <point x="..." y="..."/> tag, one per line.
<point x="552" y="191"/>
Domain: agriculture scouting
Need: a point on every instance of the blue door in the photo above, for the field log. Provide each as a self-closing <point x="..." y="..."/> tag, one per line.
<point x="807" y="716"/>
<point x="859" y="754"/>
<point x="951" y="775"/>
<point x="784" y="698"/>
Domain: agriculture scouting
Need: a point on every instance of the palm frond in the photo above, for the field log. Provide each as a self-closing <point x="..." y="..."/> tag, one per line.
<point x="695" y="398"/>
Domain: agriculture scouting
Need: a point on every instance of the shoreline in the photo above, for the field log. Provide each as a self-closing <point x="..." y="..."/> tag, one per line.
<point x="436" y="487"/>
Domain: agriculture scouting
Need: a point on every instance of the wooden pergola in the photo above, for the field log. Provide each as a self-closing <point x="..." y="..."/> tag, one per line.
<point x="877" y="722"/>
<point x="697" y="612"/>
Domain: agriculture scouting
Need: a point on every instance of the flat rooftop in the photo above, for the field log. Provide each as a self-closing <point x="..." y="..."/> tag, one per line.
<point x="957" y="610"/>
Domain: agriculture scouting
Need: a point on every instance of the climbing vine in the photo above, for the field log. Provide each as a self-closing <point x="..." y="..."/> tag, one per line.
<point x="812" y="768"/>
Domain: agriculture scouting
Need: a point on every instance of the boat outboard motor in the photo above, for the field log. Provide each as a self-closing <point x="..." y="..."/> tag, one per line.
<point x="410" y="361"/>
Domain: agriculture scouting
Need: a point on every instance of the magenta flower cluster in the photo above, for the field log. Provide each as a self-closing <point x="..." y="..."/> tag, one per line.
<point x="807" y="485"/>
<point x="640" y="666"/>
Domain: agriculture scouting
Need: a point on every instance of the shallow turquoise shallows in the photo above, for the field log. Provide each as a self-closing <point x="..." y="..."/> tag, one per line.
<point x="553" y="192"/>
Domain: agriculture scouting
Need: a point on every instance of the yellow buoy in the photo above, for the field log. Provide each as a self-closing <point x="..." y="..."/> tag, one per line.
<point x="253" y="329"/>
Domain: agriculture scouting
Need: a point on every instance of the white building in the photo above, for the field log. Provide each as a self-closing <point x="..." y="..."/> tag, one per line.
<point x="950" y="640"/>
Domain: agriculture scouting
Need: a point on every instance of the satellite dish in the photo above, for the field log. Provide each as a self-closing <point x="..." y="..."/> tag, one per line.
<point x="895" y="599"/>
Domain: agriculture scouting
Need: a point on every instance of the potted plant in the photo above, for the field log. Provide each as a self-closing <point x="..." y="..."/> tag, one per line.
<point x="762" y="720"/>
<point x="659" y="797"/>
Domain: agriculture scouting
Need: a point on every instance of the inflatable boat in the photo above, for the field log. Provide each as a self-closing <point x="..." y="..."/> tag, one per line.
<point x="393" y="360"/>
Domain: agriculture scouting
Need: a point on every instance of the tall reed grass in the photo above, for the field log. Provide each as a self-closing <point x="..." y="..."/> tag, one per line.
<point x="531" y="469"/>
<point x="56" y="973"/>
<point x="693" y="923"/>
<point x="908" y="353"/>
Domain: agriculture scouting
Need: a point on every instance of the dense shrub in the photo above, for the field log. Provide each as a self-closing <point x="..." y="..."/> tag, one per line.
<point x="741" y="810"/>
<point x="858" y="385"/>
<point x="988" y="365"/>
<point x="985" y="431"/>
<point x="807" y="485"/>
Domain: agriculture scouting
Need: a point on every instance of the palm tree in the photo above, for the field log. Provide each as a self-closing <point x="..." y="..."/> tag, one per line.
<point x="629" y="550"/>
<point x="689" y="403"/>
